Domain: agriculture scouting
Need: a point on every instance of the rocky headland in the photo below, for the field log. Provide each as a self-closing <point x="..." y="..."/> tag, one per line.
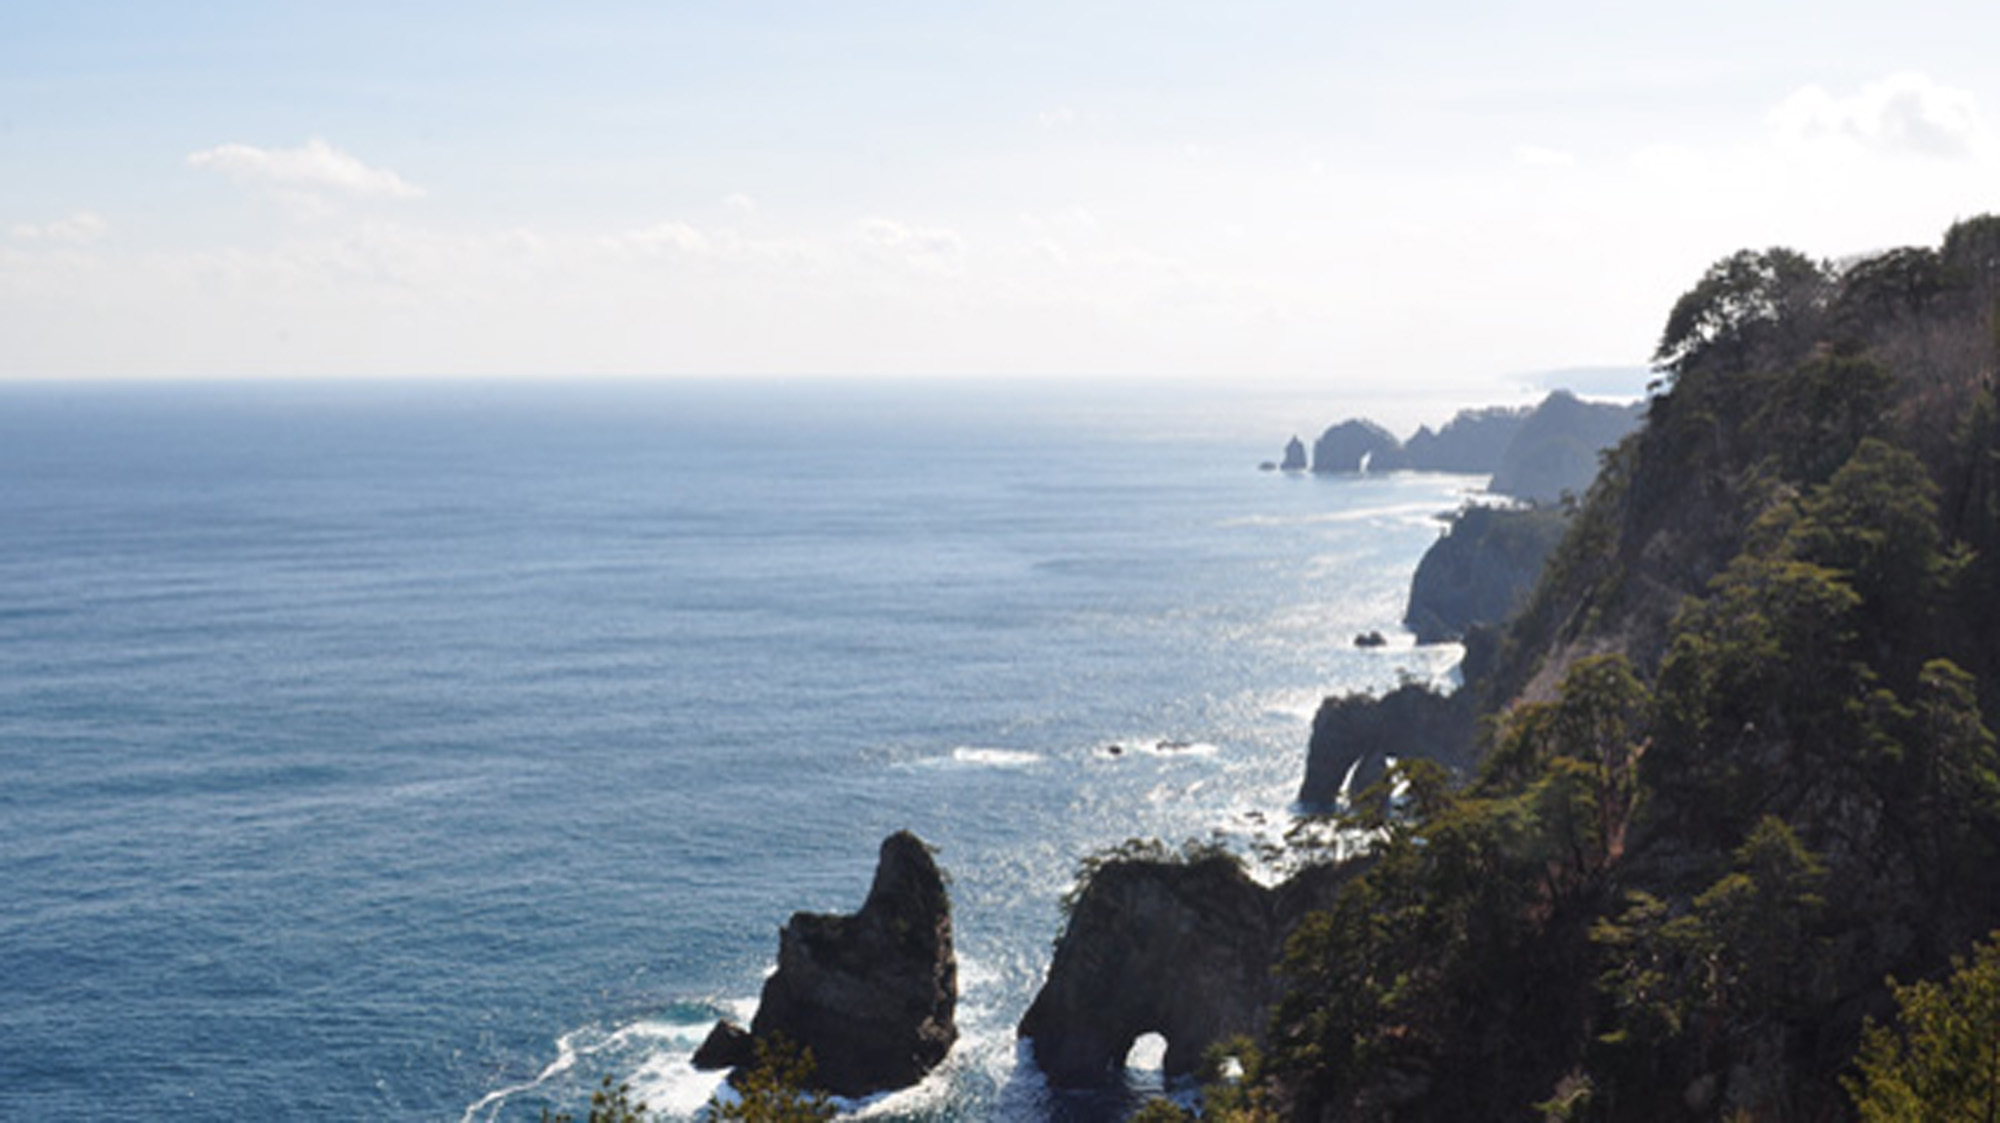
<point x="1183" y="946"/>
<point x="1731" y="774"/>
<point x="1536" y="454"/>
<point x="1481" y="571"/>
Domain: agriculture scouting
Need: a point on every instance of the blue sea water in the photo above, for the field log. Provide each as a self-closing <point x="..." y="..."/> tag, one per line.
<point x="427" y="751"/>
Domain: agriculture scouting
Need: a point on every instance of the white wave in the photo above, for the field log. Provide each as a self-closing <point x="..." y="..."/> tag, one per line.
<point x="669" y="1084"/>
<point x="664" y="1078"/>
<point x="1423" y="511"/>
<point x="566" y="1055"/>
<point x="994" y="758"/>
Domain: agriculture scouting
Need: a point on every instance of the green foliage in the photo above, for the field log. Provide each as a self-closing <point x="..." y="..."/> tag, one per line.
<point x="1191" y="852"/>
<point x="1741" y="304"/>
<point x="1810" y="418"/>
<point x="777" y="1088"/>
<point x="1741" y="950"/>
<point x="1970" y="257"/>
<point x="1942" y="1061"/>
<point x="1159" y="1109"/>
<point x="608" y="1104"/>
<point x="1886" y="288"/>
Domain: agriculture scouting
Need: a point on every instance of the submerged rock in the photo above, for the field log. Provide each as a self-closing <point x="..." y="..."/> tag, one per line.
<point x="872" y="995"/>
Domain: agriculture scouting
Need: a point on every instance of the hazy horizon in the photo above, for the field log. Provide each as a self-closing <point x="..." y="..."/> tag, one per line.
<point x="1278" y="192"/>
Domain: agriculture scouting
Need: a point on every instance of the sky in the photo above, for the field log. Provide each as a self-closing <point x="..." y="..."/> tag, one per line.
<point x="1439" y="197"/>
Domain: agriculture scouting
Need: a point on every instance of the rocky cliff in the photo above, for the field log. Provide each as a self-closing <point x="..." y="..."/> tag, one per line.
<point x="872" y="995"/>
<point x="1354" y="737"/>
<point x="1536" y="454"/>
<point x="1182" y="947"/>
<point x="1356" y="445"/>
<point x="1481" y="571"/>
<point x="1557" y="448"/>
<point x="1710" y="814"/>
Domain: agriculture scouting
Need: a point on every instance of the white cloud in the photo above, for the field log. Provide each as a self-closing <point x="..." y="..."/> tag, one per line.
<point x="665" y="238"/>
<point x="313" y="168"/>
<point x="1057" y="118"/>
<point x="1536" y="156"/>
<point x="921" y="247"/>
<point x="77" y="229"/>
<point x="1903" y="113"/>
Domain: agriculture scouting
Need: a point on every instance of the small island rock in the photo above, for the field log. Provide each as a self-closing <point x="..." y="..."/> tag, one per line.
<point x="872" y="995"/>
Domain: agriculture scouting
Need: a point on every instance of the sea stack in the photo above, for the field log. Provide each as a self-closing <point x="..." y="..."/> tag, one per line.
<point x="872" y="995"/>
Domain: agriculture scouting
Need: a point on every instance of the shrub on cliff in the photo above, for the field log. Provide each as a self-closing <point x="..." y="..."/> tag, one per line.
<point x="1942" y="1059"/>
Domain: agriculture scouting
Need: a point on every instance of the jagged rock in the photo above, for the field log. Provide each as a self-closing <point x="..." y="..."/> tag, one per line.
<point x="1481" y="571"/>
<point x="1358" y="733"/>
<point x="1356" y="446"/>
<point x="1295" y="456"/>
<point x="728" y="1045"/>
<point x="1184" y="949"/>
<point x="872" y="995"/>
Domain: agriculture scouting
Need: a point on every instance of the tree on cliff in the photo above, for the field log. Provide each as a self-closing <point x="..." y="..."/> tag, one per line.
<point x="1942" y="1060"/>
<point x="1684" y="868"/>
<point x="1747" y="305"/>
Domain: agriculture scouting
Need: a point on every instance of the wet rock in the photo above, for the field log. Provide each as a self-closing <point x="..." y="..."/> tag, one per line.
<point x="872" y="995"/>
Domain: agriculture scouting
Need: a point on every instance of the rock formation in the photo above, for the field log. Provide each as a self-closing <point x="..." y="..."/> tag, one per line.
<point x="872" y="995"/>
<point x="1535" y="454"/>
<point x="1295" y="456"/>
<point x="1472" y="441"/>
<point x="1358" y="733"/>
<point x="1184" y="949"/>
<point x="1481" y="571"/>
<point x="1557" y="449"/>
<point x="1355" y="446"/>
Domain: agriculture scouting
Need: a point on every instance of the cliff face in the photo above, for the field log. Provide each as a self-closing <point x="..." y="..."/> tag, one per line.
<point x="1355" y="736"/>
<point x="1352" y="445"/>
<point x="1182" y="948"/>
<point x="1473" y="441"/>
<point x="1710" y="814"/>
<point x="1556" y="450"/>
<point x="872" y="995"/>
<point x="1481" y="571"/>
<point x="1535" y="454"/>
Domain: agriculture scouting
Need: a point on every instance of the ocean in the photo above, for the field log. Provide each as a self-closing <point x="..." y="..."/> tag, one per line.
<point x="427" y="751"/>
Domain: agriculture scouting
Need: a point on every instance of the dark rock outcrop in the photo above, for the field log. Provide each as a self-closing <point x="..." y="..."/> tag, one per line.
<point x="872" y="994"/>
<point x="1354" y="446"/>
<point x="1184" y="949"/>
<point x="1295" y="456"/>
<point x="1481" y="571"/>
<point x="728" y="1045"/>
<point x="1358" y="733"/>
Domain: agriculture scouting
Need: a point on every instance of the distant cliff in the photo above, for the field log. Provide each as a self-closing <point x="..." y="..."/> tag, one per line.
<point x="1557" y="449"/>
<point x="1533" y="453"/>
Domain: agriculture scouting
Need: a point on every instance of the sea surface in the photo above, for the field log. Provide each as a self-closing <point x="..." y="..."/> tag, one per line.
<point x="428" y="751"/>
